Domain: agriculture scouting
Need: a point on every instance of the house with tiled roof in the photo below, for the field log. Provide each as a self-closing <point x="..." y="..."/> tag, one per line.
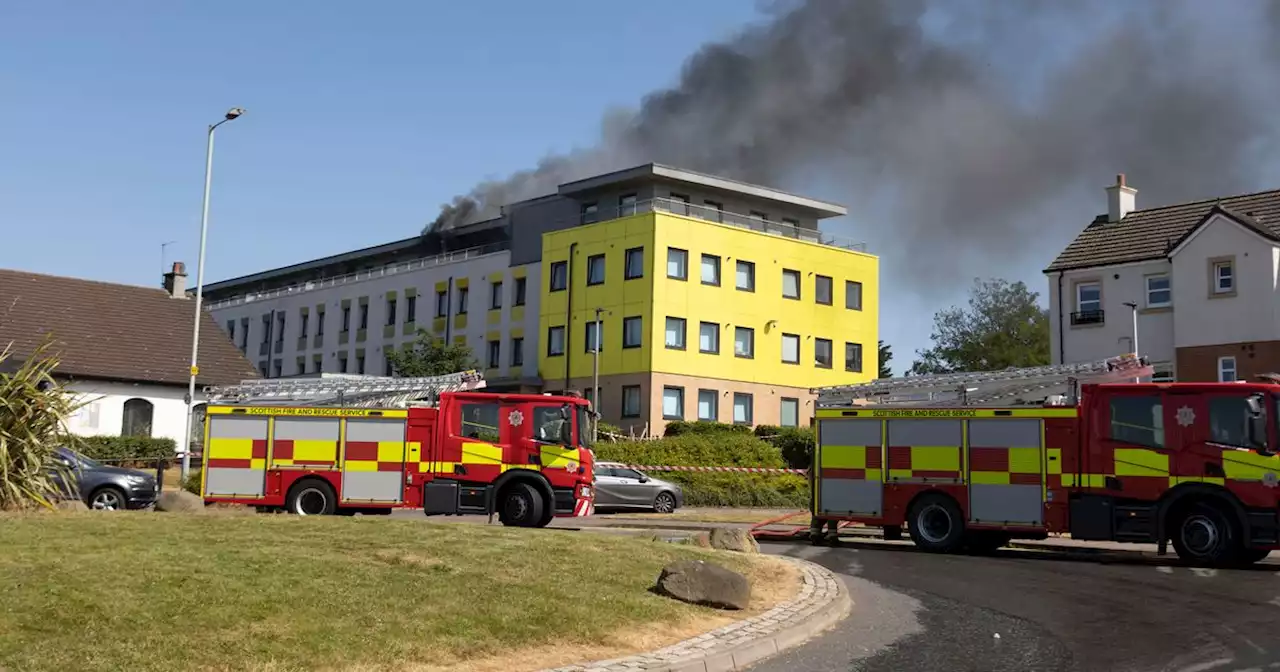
<point x="1192" y="287"/>
<point x="127" y="349"/>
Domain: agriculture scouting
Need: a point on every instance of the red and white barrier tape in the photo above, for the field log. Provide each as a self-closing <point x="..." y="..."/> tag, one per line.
<point x="748" y="470"/>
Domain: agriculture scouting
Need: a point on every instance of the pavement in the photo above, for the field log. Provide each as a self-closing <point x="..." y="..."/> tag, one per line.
<point x="1032" y="610"/>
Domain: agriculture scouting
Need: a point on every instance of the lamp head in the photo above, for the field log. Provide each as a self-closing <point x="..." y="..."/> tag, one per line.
<point x="234" y="112"/>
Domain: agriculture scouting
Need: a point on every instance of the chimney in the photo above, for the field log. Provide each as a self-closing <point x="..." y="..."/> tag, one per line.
<point x="1120" y="199"/>
<point x="175" y="281"/>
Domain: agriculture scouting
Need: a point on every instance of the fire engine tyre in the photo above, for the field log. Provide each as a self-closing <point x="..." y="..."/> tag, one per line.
<point x="312" y="497"/>
<point x="1204" y="534"/>
<point x="521" y="505"/>
<point x="936" y="524"/>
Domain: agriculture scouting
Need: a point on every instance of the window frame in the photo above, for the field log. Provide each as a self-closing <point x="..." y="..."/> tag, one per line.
<point x="751" y="275"/>
<point x="715" y="330"/>
<point x="750" y="406"/>
<point x="558" y="269"/>
<point x="639" y="400"/>
<point x="684" y="333"/>
<point x="1146" y="284"/>
<point x="410" y="310"/>
<point x="391" y="315"/>
<point x="1235" y="369"/>
<point x="596" y="261"/>
<point x="831" y="353"/>
<point x="442" y="304"/>
<point x="715" y="266"/>
<point x="464" y="298"/>
<point x="786" y="336"/>
<point x="858" y="365"/>
<point x="627" y="271"/>
<point x="495" y="295"/>
<point x="517" y="351"/>
<point x="521" y="291"/>
<point x="680" y="401"/>
<point x="588" y="331"/>
<point x="751" y="342"/>
<point x="799" y="279"/>
<point x="782" y="405"/>
<point x="626" y="325"/>
<point x="715" y="404"/>
<point x="848" y="284"/>
<point x="628" y="201"/>
<point x="1080" y="286"/>
<point x="551" y="331"/>
<point x="494" y="353"/>
<point x="1216" y="280"/>
<point x="817" y="290"/>
<point x="684" y="264"/>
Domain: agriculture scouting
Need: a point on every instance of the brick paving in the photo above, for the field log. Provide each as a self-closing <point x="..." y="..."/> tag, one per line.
<point x="818" y="590"/>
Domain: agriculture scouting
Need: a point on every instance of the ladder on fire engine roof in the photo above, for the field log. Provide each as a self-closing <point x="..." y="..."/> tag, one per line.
<point x="1035" y="385"/>
<point x="355" y="391"/>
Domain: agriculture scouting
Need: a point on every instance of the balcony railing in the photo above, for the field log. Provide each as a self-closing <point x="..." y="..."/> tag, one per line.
<point x="370" y="274"/>
<point x="1088" y="317"/>
<point x="710" y="214"/>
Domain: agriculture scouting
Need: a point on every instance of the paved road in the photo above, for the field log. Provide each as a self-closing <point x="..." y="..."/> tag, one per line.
<point x="916" y="611"/>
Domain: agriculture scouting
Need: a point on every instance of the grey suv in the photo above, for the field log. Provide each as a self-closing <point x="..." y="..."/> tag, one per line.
<point x="105" y="487"/>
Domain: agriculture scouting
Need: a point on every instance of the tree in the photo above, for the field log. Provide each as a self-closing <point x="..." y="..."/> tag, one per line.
<point x="431" y="356"/>
<point x="1003" y="327"/>
<point x="886" y="356"/>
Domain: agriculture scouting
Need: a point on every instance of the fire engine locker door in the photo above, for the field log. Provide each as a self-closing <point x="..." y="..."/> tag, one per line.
<point x="1006" y="472"/>
<point x="237" y="462"/>
<point x="373" y="461"/>
<point x="850" y="470"/>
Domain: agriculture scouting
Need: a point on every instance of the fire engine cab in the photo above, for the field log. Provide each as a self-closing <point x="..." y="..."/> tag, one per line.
<point x="968" y="461"/>
<point x="364" y="444"/>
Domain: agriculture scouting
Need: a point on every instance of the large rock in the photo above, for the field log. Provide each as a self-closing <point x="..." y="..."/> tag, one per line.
<point x="703" y="583"/>
<point x="734" y="539"/>
<point x="179" y="501"/>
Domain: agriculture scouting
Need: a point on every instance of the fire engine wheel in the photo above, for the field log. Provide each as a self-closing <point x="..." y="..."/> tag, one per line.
<point x="1205" y="535"/>
<point x="522" y="506"/>
<point x="936" y="525"/>
<point x="312" y="498"/>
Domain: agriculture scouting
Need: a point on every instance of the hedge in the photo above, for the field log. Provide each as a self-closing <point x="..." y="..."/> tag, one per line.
<point x="796" y="443"/>
<point x="127" y="447"/>
<point x="716" y="448"/>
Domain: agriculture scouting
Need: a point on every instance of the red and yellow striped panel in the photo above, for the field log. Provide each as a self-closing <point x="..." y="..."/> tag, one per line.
<point x="924" y="462"/>
<point x="237" y="453"/>
<point x="374" y="456"/>
<point x="1005" y="466"/>
<point x="860" y="463"/>
<point x="304" y="452"/>
<point x="475" y="453"/>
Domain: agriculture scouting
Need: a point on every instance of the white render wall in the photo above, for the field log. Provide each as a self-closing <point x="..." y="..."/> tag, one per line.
<point x="1194" y="319"/>
<point x="102" y="412"/>
<point x="477" y="270"/>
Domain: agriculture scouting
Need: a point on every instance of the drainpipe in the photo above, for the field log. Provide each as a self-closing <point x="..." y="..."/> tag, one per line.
<point x="1062" y="359"/>
<point x="568" y="314"/>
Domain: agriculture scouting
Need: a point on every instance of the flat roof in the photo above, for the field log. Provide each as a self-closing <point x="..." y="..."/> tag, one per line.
<point x="820" y="209"/>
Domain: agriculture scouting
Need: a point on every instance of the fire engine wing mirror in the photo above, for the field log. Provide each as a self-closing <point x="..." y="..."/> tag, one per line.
<point x="1256" y="424"/>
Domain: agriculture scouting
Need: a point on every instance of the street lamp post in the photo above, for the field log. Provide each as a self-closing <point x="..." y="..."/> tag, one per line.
<point x="195" y="333"/>
<point x="1134" y="307"/>
<point x="595" y="367"/>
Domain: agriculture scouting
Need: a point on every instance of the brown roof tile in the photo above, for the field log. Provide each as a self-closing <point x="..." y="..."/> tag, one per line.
<point x="117" y="332"/>
<point x="1151" y="234"/>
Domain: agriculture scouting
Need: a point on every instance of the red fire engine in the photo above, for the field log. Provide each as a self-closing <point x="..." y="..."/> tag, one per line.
<point x="1094" y="457"/>
<point x="347" y="444"/>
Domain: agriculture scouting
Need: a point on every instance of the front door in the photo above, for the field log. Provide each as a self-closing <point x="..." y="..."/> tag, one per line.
<point x="632" y="487"/>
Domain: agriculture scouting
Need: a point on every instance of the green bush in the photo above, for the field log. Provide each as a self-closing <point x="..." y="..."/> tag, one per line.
<point x="607" y="433"/>
<point x="194" y="483"/>
<point x="127" y="448"/>
<point x="796" y="443"/>
<point x="682" y="427"/>
<point x="726" y="449"/>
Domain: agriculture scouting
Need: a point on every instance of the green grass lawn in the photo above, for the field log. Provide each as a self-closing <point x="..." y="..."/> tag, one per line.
<point x="143" y="591"/>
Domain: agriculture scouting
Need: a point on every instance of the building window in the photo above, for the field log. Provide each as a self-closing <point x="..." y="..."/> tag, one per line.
<point x="790" y="349"/>
<point x="742" y="408"/>
<point x="708" y="400"/>
<point x="442" y="304"/>
<point x="280" y="323"/>
<point x="137" y="418"/>
<point x="789" y="416"/>
<point x="1224" y="277"/>
<point x="517" y="351"/>
<point x="555" y="341"/>
<point x="559" y="275"/>
<point x="1159" y="292"/>
<point x="675" y="333"/>
<point x="1162" y="372"/>
<point x="1227" y="370"/>
<point x="495" y="354"/>
<point x="756" y="214"/>
<point x="677" y="263"/>
<point x="1088" y="304"/>
<point x="495" y="295"/>
<point x="822" y="353"/>
<point x="679" y="204"/>
<point x="1138" y="420"/>
<point x="262" y="368"/>
<point x="714" y="210"/>
<point x="852" y="295"/>
<point x="231" y="329"/>
<point x="391" y="315"/>
<point x="346" y="319"/>
<point x="360" y="364"/>
<point x="410" y="309"/>
<point x="594" y="338"/>
<point x="278" y="368"/>
<point x="303" y="319"/>
<point x="521" y="284"/>
<point x="590" y="212"/>
<point x="630" y="401"/>
<point x="710" y="270"/>
<point x="594" y="398"/>
<point x="793" y="223"/>
<point x="632" y="332"/>
<point x="342" y="365"/>
<point x="463" y="294"/>
<point x="634" y="264"/>
<point x="790" y="284"/>
<point x="709" y="338"/>
<point x="364" y="316"/>
<point x="626" y="205"/>
<point x="320" y="320"/>
<point x="745" y="279"/>
<point x="388" y="368"/>
<point x="595" y="269"/>
<point x="822" y="290"/>
<point x="244" y="333"/>
<point x="673" y="403"/>
<point x="744" y="342"/>
<point x="853" y="357"/>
